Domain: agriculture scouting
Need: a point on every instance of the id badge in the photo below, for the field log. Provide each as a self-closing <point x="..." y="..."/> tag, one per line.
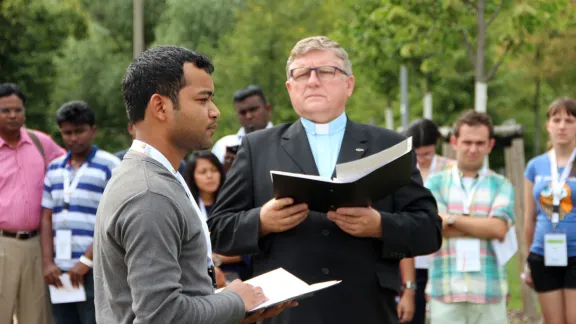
<point x="63" y="244"/>
<point x="555" y="250"/>
<point x="467" y="255"/>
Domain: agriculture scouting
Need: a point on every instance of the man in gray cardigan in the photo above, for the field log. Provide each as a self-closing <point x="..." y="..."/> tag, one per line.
<point x="152" y="253"/>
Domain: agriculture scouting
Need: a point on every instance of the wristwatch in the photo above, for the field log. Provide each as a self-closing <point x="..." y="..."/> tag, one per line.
<point x="410" y="285"/>
<point x="217" y="261"/>
<point x="450" y="220"/>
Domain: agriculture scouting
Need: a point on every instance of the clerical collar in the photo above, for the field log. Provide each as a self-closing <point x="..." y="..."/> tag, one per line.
<point x="332" y="127"/>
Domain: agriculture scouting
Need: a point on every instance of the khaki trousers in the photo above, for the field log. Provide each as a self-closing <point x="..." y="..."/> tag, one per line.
<point x="22" y="289"/>
<point x="468" y="313"/>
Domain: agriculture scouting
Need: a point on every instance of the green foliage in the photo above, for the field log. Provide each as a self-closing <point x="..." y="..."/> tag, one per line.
<point x="61" y="50"/>
<point x="205" y="23"/>
<point x="33" y="33"/>
<point x="117" y="17"/>
<point x="255" y="52"/>
<point x="92" y="70"/>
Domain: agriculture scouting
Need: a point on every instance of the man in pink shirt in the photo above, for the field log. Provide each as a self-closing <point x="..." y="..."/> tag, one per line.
<point x="24" y="155"/>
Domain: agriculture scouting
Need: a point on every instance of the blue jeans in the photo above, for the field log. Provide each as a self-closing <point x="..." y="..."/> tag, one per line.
<point x="77" y="313"/>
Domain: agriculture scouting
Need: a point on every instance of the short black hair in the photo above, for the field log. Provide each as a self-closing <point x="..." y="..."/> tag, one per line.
<point x="249" y="91"/>
<point x="8" y="89"/>
<point x="424" y="132"/>
<point x="76" y="112"/>
<point x="158" y="70"/>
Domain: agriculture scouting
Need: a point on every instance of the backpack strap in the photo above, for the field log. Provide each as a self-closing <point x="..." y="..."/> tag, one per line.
<point x="38" y="144"/>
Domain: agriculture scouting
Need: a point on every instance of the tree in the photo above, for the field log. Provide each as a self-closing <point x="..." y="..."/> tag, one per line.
<point x="92" y="68"/>
<point x="33" y="33"/>
<point x="387" y="34"/>
<point x="255" y="52"/>
<point x="545" y="55"/>
<point x="207" y="21"/>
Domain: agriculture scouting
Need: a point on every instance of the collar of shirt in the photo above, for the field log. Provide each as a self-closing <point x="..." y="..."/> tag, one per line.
<point x="482" y="172"/>
<point x="331" y="128"/>
<point x="88" y="159"/>
<point x="242" y="132"/>
<point x="24" y="138"/>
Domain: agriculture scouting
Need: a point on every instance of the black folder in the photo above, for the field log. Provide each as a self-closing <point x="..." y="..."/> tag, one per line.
<point x="358" y="183"/>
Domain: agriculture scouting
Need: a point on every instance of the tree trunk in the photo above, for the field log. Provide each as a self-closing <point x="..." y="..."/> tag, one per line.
<point x="428" y="99"/>
<point x="537" y="122"/>
<point x="389" y="115"/>
<point x="480" y="88"/>
<point x="271" y="53"/>
<point x="404" y="114"/>
<point x="138" y="27"/>
<point x="515" y="163"/>
<point x="536" y="103"/>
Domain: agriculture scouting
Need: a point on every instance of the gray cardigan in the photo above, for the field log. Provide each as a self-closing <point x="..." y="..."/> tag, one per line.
<point x="150" y="253"/>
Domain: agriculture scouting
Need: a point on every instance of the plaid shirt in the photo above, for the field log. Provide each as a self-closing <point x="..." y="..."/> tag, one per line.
<point x="443" y="163"/>
<point x="494" y="197"/>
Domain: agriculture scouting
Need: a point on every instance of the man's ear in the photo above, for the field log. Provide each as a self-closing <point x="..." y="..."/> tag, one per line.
<point x="492" y="143"/>
<point x="158" y="107"/>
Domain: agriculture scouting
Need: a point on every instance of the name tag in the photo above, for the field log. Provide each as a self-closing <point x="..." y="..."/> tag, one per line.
<point x="555" y="250"/>
<point x="63" y="244"/>
<point x="467" y="255"/>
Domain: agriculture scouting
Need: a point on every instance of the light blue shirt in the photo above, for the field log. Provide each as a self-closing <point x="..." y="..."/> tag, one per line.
<point x="538" y="172"/>
<point x="325" y="142"/>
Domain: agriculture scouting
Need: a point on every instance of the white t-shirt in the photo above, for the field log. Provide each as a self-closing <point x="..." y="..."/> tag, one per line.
<point x="219" y="148"/>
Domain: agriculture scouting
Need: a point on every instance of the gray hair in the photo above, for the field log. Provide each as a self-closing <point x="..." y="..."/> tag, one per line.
<point x="319" y="43"/>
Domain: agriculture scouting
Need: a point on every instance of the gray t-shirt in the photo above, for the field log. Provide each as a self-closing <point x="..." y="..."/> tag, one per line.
<point x="150" y="253"/>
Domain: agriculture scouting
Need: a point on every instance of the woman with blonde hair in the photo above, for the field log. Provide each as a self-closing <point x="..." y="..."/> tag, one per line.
<point x="550" y="217"/>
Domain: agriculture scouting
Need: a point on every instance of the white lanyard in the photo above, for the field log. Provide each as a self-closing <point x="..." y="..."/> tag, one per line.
<point x="558" y="183"/>
<point x="203" y="209"/>
<point x="70" y="187"/>
<point x="467" y="195"/>
<point x="150" y="151"/>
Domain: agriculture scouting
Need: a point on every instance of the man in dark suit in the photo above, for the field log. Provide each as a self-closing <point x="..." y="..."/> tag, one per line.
<point x="360" y="246"/>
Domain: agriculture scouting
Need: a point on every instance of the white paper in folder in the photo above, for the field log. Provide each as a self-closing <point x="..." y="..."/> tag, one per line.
<point x="280" y="285"/>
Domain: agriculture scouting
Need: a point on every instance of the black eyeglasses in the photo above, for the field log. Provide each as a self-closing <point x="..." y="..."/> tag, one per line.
<point x="322" y="72"/>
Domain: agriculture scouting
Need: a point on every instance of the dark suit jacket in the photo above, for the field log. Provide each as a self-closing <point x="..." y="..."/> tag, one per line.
<point x="318" y="250"/>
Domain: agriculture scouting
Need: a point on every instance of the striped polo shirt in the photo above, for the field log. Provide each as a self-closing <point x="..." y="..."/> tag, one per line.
<point x="84" y="200"/>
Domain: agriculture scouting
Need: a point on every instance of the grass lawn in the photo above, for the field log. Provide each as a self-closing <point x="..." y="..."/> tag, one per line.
<point x="514" y="282"/>
<point x="515" y="304"/>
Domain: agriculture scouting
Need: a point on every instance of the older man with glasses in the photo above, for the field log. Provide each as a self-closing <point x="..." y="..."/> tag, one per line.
<point x="360" y="246"/>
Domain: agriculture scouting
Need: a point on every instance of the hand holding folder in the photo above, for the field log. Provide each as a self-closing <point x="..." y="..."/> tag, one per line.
<point x="280" y="286"/>
<point x="358" y="183"/>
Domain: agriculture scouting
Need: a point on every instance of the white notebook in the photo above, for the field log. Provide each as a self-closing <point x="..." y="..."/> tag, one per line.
<point x="280" y="285"/>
